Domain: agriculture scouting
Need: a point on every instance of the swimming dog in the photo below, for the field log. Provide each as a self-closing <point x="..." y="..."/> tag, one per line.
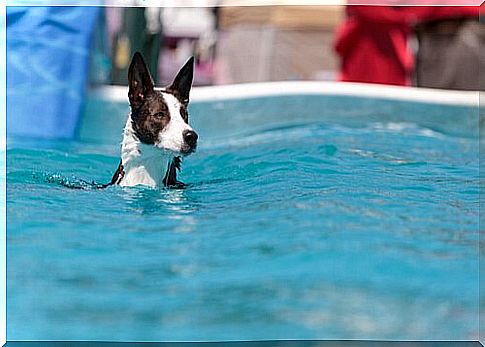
<point x="157" y="133"/>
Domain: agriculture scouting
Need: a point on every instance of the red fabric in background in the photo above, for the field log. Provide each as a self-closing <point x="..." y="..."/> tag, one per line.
<point x="373" y="41"/>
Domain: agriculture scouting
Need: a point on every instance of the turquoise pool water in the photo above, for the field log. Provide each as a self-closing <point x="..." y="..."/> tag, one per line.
<point x="297" y="231"/>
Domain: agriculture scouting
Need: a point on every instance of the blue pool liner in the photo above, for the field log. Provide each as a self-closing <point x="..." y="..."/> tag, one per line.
<point x="47" y="67"/>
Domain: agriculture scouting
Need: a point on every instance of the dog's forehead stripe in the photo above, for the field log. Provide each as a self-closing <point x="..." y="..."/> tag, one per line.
<point x="173" y="105"/>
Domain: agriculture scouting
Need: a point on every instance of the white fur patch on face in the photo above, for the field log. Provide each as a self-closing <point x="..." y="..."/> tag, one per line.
<point x="171" y="137"/>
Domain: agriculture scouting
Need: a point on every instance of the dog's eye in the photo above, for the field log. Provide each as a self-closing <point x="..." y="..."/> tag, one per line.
<point x="160" y="115"/>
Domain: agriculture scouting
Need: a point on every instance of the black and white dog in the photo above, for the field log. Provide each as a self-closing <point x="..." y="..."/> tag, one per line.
<point x="157" y="133"/>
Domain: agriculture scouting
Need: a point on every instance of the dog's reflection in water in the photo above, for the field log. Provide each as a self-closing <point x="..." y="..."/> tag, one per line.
<point x="175" y="206"/>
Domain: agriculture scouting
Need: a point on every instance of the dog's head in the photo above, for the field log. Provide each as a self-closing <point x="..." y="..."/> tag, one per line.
<point x="160" y="116"/>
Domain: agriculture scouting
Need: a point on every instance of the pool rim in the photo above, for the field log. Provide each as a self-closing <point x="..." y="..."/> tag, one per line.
<point x="118" y="93"/>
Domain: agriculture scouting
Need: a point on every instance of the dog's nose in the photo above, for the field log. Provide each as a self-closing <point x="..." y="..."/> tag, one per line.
<point x="190" y="137"/>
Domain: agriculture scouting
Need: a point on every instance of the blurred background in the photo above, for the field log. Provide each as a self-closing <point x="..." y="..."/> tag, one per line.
<point x="421" y="46"/>
<point x="60" y="52"/>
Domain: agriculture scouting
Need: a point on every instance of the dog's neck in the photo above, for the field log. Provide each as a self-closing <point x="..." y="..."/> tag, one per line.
<point x="142" y="164"/>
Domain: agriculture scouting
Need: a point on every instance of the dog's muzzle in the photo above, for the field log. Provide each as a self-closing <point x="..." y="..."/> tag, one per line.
<point x="190" y="141"/>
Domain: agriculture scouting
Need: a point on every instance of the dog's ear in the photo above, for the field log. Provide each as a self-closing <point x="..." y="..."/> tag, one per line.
<point x="140" y="81"/>
<point x="182" y="83"/>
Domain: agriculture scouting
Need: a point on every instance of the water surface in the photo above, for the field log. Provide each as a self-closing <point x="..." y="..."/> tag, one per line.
<point x="295" y="232"/>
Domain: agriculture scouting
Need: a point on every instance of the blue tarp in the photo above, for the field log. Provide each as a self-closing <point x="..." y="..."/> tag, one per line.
<point x="47" y="67"/>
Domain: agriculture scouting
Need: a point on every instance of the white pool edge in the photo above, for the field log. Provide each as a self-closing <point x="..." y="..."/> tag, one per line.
<point x="265" y="89"/>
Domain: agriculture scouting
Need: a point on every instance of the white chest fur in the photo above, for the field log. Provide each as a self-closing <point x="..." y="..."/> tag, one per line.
<point x="142" y="164"/>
